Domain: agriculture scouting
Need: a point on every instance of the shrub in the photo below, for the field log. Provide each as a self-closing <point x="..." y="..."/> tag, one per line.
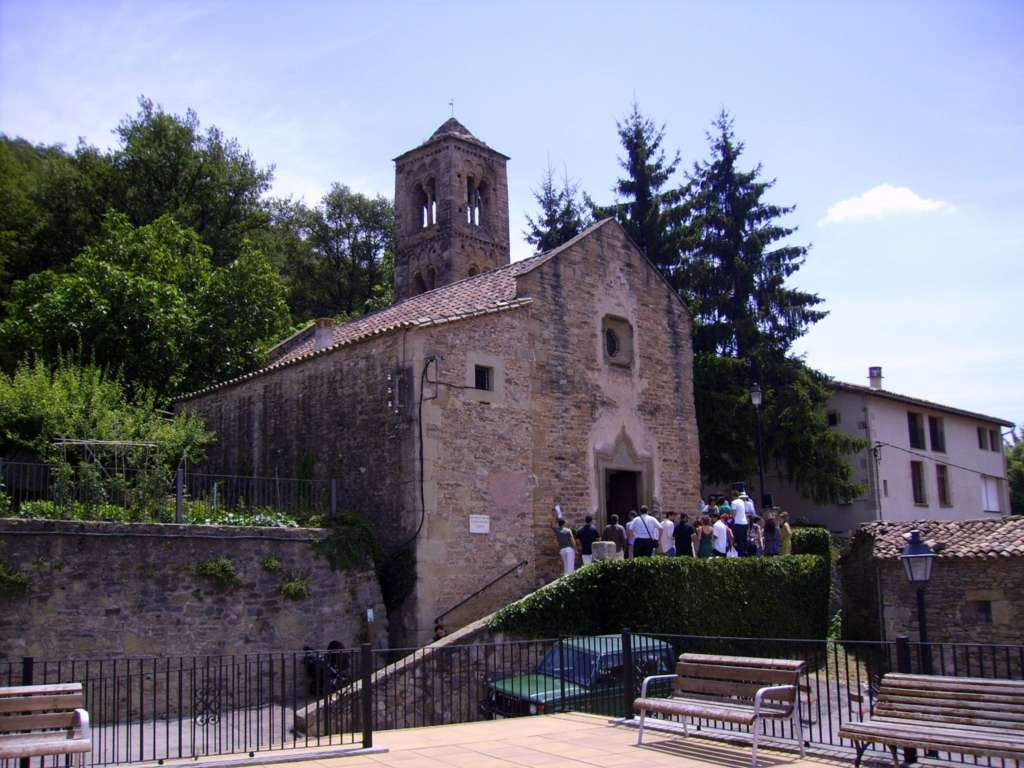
<point x="786" y="597"/>
<point x="812" y="541"/>
<point x="295" y="587"/>
<point x="350" y="544"/>
<point x="76" y="510"/>
<point x="221" y="571"/>
<point x="13" y="583"/>
<point x="271" y="564"/>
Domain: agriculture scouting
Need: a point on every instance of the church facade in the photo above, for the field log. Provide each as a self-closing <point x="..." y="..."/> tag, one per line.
<point x="457" y="418"/>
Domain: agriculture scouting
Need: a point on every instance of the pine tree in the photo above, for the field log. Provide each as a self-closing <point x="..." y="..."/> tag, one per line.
<point x="649" y="210"/>
<point x="562" y="214"/>
<point x="734" y="269"/>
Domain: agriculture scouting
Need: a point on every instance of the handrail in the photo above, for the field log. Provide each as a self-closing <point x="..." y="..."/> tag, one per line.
<point x="485" y="587"/>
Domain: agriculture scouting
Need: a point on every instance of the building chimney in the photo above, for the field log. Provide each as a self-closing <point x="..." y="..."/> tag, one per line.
<point x="875" y="376"/>
<point x="323" y="334"/>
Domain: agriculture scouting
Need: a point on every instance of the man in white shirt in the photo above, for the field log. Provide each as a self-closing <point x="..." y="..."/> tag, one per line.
<point x="645" y="531"/>
<point x="666" y="540"/>
<point x="722" y="536"/>
<point x="739" y="523"/>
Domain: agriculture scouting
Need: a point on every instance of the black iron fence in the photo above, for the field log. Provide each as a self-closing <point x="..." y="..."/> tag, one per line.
<point x="154" y="709"/>
<point x="92" y="491"/>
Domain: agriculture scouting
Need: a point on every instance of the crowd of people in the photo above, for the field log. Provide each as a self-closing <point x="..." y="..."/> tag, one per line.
<point x="723" y="528"/>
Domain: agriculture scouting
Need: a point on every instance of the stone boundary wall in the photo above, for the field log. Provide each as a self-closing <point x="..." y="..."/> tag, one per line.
<point x="102" y="590"/>
<point x="441" y="683"/>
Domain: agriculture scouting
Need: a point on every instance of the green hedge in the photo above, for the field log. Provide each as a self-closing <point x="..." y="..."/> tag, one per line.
<point x="785" y="597"/>
<point x="812" y="541"/>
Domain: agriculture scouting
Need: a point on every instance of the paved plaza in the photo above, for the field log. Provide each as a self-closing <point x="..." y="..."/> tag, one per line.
<point x="553" y="741"/>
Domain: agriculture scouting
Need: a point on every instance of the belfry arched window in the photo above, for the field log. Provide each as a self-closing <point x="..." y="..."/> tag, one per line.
<point x="418" y="286"/>
<point x="431" y="278"/>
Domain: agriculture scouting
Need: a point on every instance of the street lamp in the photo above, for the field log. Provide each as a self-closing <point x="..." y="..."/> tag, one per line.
<point x="917" y="560"/>
<point x="756" y="397"/>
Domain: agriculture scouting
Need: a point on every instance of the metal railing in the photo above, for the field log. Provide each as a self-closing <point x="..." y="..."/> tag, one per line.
<point x="161" y="496"/>
<point x="154" y="709"/>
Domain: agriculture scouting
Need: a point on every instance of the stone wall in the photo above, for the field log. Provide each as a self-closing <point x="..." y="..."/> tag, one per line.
<point x="444" y="682"/>
<point x="103" y="590"/>
<point x="967" y="601"/>
<point x="639" y="416"/>
<point x="328" y="414"/>
<point x="477" y="449"/>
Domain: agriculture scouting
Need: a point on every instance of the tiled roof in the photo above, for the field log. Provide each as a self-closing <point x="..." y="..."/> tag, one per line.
<point x="483" y="294"/>
<point x="885" y="393"/>
<point x="988" y="539"/>
<point x="452" y="129"/>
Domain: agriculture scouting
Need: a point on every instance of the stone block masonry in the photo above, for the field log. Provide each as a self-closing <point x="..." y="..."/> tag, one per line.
<point x="100" y="590"/>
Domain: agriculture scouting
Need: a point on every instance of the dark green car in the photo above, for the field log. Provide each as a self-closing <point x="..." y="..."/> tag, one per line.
<point x="581" y="674"/>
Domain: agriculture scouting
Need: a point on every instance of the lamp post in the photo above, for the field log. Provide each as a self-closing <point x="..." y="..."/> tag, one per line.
<point x="756" y="398"/>
<point x="917" y="560"/>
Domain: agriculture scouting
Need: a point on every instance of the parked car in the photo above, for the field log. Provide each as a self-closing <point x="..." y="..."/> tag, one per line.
<point x="583" y="674"/>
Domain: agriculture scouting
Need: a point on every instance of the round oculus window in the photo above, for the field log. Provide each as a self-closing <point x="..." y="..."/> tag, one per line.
<point x="612" y="345"/>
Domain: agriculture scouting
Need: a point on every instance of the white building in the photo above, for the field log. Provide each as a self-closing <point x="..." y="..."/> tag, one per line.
<point x="928" y="461"/>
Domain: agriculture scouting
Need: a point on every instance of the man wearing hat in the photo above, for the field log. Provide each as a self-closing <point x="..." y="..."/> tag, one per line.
<point x="740" y="522"/>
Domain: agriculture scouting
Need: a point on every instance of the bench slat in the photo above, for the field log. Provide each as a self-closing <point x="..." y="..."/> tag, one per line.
<point x="955" y="684"/>
<point x="955" y="708"/>
<point x="40" y="690"/>
<point x="966" y="731"/>
<point x="69" y="701"/>
<point x="726" y="688"/>
<point x="742" y="661"/>
<point x="738" y="673"/>
<point x="927" y="735"/>
<point x="960" y="719"/>
<point x="709" y="710"/>
<point x="35" y="745"/>
<point x="934" y="697"/>
<point x="10" y="723"/>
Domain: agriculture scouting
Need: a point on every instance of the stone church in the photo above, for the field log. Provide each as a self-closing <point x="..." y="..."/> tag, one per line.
<point x="458" y="417"/>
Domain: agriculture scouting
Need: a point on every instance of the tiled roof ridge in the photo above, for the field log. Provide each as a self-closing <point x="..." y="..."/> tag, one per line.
<point x="887" y="393"/>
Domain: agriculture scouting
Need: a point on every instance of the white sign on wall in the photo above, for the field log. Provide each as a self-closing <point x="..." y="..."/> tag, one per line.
<point x="479" y="523"/>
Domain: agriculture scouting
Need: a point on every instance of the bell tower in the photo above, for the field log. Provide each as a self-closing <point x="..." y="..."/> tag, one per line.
<point x="451" y="211"/>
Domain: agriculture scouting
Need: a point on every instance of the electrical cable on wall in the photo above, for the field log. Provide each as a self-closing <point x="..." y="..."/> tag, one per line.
<point x="419" y="426"/>
<point x="879" y="444"/>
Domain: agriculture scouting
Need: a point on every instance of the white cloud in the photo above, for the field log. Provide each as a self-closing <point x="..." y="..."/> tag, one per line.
<point x="880" y="201"/>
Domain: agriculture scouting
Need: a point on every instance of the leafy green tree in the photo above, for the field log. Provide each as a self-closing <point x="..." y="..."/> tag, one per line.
<point x="734" y="269"/>
<point x="649" y="207"/>
<point x="166" y="164"/>
<point x="563" y="213"/>
<point x="51" y="205"/>
<point x="147" y="302"/>
<point x="1015" y="476"/>
<point x="338" y="257"/>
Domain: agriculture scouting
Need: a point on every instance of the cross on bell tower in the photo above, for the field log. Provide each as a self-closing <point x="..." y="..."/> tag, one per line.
<point x="451" y="211"/>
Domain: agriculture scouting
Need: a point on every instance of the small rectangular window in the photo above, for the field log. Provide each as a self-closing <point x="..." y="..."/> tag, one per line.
<point x="484" y="377"/>
<point x="915" y="427"/>
<point x="942" y="481"/>
<point x="917" y="482"/>
<point x="885" y="488"/>
<point x="977" y="612"/>
<point x="937" y="434"/>
<point x="983" y="438"/>
<point x="993" y="439"/>
<point x="833" y="418"/>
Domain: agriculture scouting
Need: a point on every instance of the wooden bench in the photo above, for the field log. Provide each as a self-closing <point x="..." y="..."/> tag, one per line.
<point x="43" y="720"/>
<point x="732" y="689"/>
<point x="964" y="715"/>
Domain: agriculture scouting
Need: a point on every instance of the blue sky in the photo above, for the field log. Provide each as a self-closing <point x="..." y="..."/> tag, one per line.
<point x="896" y="129"/>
